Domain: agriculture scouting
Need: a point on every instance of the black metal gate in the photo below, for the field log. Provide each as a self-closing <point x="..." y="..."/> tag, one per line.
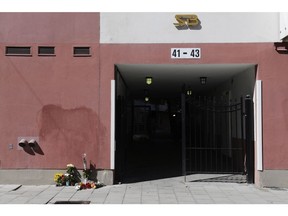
<point x="213" y="133"/>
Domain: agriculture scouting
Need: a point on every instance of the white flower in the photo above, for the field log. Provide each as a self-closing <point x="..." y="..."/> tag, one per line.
<point x="70" y="165"/>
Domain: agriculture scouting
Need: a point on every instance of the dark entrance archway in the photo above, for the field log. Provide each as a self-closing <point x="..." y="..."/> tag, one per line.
<point x="149" y="118"/>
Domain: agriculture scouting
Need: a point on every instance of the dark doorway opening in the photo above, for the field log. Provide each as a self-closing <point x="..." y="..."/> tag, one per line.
<point x="149" y="119"/>
<point x="151" y="144"/>
<point x="155" y="150"/>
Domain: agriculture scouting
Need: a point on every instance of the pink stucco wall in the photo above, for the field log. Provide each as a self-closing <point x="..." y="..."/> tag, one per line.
<point x="54" y="98"/>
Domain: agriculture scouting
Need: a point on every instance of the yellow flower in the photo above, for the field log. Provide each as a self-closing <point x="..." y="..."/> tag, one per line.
<point x="57" y="176"/>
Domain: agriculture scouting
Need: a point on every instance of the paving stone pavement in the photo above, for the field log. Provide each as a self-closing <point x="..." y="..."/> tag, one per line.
<point x="163" y="191"/>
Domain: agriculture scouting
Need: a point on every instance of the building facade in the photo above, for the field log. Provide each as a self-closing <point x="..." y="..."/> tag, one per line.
<point x="75" y="84"/>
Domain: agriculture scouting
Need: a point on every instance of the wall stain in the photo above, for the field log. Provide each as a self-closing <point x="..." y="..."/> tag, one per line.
<point x="70" y="132"/>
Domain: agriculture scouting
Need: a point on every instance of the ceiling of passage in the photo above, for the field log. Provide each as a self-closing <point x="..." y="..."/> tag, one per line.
<point x="168" y="79"/>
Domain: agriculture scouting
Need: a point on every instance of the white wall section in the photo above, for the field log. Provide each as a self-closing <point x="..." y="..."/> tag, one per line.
<point x="258" y="125"/>
<point x="112" y="132"/>
<point x="214" y="27"/>
<point x="283" y="25"/>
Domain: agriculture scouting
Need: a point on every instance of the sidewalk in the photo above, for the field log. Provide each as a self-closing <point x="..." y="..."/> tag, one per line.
<point x="163" y="191"/>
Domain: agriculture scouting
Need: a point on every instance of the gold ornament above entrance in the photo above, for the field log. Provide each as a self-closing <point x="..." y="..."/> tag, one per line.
<point x="185" y="21"/>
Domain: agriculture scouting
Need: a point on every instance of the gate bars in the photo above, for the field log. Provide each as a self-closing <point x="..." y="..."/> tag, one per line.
<point x="249" y="125"/>
<point x="213" y="134"/>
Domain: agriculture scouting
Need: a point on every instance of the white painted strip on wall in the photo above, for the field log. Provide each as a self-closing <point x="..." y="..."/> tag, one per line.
<point x="127" y="27"/>
<point x="112" y="132"/>
<point x="283" y="16"/>
<point x="259" y="144"/>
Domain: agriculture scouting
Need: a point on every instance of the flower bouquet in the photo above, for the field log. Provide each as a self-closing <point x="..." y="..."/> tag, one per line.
<point x="59" y="178"/>
<point x="88" y="185"/>
<point x="71" y="176"/>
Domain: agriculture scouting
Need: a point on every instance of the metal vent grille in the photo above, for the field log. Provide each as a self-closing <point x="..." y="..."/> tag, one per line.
<point x="81" y="51"/>
<point x="11" y="50"/>
<point x="46" y="50"/>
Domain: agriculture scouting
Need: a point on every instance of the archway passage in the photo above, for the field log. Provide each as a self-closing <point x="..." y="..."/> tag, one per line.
<point x="149" y="116"/>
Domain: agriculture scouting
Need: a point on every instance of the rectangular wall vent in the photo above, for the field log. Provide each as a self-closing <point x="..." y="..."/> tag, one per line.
<point x="46" y="50"/>
<point x="16" y="50"/>
<point x="81" y="51"/>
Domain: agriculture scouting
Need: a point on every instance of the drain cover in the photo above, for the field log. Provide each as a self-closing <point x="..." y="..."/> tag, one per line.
<point x="72" y="202"/>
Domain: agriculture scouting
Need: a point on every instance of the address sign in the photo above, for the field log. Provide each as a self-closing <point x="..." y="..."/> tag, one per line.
<point x="185" y="53"/>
